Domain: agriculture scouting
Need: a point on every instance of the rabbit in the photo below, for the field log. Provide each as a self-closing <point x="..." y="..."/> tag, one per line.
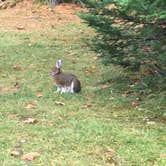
<point x="65" y="82"/>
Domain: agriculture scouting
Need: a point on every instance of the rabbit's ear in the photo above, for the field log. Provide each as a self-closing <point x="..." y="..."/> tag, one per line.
<point x="59" y="63"/>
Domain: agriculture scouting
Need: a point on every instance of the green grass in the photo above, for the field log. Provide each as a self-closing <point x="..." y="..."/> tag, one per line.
<point x="70" y="134"/>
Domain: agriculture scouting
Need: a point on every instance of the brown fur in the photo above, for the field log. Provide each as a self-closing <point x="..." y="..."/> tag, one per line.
<point x="62" y="79"/>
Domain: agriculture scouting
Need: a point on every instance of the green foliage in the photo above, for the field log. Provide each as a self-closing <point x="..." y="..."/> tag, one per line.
<point x="132" y="34"/>
<point x="126" y="29"/>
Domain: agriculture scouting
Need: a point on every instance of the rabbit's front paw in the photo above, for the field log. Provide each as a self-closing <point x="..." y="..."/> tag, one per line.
<point x="58" y="89"/>
<point x="64" y="90"/>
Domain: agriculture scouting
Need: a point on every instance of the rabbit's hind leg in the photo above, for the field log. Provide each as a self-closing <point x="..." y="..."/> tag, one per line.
<point x="72" y="87"/>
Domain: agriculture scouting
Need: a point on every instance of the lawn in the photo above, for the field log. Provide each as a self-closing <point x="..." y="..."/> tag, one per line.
<point x="95" y="127"/>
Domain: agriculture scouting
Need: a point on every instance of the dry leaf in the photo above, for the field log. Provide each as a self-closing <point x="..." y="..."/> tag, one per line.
<point x="22" y="139"/>
<point x="110" y="7"/>
<point x="20" y="27"/>
<point x="90" y="69"/>
<point x="1" y="88"/>
<point x="93" y="67"/>
<point x="104" y="86"/>
<point x="59" y="103"/>
<point x="146" y="48"/>
<point x="163" y="155"/>
<point x="95" y="58"/>
<point x="148" y="72"/>
<point x="134" y="104"/>
<point x="16" y="67"/>
<point x="115" y="115"/>
<point x="12" y="4"/>
<point x="155" y="163"/>
<point x="141" y="92"/>
<point x="86" y="106"/>
<point x="39" y="94"/>
<point x="4" y="75"/>
<point x="16" y="153"/>
<point x="30" y="121"/>
<point x="125" y="95"/>
<point x="110" y="156"/>
<point x="30" y="106"/>
<point x="30" y="156"/>
<point x="127" y="92"/>
<point x="111" y="98"/>
<point x="151" y="122"/>
<point x="16" y="85"/>
<point x="111" y="151"/>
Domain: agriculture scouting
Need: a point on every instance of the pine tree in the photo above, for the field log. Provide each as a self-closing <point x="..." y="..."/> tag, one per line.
<point x="130" y="33"/>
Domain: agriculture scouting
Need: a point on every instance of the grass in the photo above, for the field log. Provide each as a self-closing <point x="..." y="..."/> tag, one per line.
<point x="94" y="127"/>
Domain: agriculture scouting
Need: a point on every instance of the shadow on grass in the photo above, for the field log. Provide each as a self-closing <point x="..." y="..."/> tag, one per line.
<point x="124" y="89"/>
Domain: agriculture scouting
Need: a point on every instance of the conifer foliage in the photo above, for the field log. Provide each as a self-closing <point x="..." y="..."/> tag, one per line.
<point x="130" y="33"/>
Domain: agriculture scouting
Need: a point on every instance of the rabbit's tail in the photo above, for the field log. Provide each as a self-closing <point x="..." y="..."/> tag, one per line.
<point x="77" y="86"/>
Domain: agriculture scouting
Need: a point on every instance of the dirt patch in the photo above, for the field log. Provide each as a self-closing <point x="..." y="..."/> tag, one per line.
<point x="34" y="17"/>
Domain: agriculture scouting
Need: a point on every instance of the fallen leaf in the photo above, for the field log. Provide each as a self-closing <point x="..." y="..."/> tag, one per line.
<point x="22" y="139"/>
<point x="110" y="164"/>
<point x="115" y="114"/>
<point x="110" y="150"/>
<point x="155" y="163"/>
<point x="30" y="156"/>
<point x="111" y="98"/>
<point x="146" y="48"/>
<point x="20" y="27"/>
<point x="132" y="85"/>
<point x="16" y="85"/>
<point x="88" y="97"/>
<point x="1" y="88"/>
<point x="30" y="121"/>
<point x="4" y="75"/>
<point x="16" y="152"/>
<point x="50" y="9"/>
<point x="16" y="67"/>
<point x="12" y="4"/>
<point x="125" y="95"/>
<point x="39" y="94"/>
<point x="93" y="67"/>
<point x="30" y="106"/>
<point x="59" y="103"/>
<point x="148" y="72"/>
<point x="110" y="7"/>
<point x="104" y="86"/>
<point x="95" y="58"/>
<point x="127" y="92"/>
<point x="141" y="92"/>
<point x="151" y="122"/>
<point x="134" y="104"/>
<point x="163" y="155"/>
<point x="4" y="5"/>
<point x="90" y="69"/>
<point x="110" y="155"/>
<point x="86" y="106"/>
